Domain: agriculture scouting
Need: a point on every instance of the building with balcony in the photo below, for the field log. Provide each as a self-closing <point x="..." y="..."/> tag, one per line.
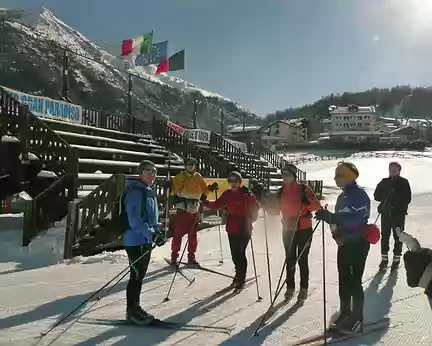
<point x="353" y="118"/>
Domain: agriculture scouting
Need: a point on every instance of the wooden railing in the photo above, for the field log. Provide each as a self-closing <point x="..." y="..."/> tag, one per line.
<point x="86" y="214"/>
<point x="208" y="165"/>
<point x="274" y="159"/>
<point x="111" y="121"/>
<point x="55" y="154"/>
<point x="249" y="166"/>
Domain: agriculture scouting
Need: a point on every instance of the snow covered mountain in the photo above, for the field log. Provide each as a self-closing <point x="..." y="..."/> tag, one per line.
<point x="32" y="61"/>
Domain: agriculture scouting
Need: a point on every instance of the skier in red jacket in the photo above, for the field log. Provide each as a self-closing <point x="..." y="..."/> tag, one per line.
<point x="242" y="208"/>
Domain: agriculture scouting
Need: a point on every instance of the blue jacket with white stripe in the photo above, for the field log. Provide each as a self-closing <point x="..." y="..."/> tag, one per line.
<point x="352" y="212"/>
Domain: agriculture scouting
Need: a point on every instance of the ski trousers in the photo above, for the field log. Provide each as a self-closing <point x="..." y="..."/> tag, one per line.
<point x="388" y="225"/>
<point x="137" y="273"/>
<point x="296" y="243"/>
<point x="185" y="223"/>
<point x="238" y="245"/>
<point x="351" y="260"/>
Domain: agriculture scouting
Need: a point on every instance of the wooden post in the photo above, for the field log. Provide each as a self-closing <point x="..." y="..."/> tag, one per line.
<point x="194" y="115"/>
<point x="222" y="121"/>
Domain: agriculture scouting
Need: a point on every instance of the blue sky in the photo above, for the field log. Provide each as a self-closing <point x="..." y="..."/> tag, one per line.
<point x="271" y="54"/>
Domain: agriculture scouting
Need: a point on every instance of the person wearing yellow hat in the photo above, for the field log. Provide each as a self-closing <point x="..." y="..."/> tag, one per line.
<point x="347" y="224"/>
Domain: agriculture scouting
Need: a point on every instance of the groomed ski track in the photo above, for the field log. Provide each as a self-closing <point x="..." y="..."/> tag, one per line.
<point x="35" y="291"/>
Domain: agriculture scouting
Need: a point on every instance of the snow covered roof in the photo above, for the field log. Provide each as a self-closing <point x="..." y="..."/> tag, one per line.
<point x="352" y="109"/>
<point x="355" y="133"/>
<point x="246" y="129"/>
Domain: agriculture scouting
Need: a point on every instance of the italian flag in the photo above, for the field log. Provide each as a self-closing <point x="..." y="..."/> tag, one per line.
<point x="139" y="45"/>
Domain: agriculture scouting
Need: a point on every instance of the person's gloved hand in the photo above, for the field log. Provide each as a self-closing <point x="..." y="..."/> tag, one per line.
<point x="323" y="215"/>
<point x="204" y="199"/>
<point x="159" y="238"/>
<point x="213" y="187"/>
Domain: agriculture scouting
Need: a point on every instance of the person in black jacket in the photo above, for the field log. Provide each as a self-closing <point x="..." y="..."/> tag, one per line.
<point x="394" y="195"/>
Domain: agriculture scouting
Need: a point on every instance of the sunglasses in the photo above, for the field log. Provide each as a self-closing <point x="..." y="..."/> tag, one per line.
<point x="152" y="171"/>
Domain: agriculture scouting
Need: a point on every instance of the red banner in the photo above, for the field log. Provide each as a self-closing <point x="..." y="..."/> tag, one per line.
<point x="177" y="128"/>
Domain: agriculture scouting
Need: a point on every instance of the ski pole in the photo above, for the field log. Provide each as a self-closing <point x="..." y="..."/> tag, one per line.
<point x="259" y="298"/>
<point x="278" y="287"/>
<point x="98" y="298"/>
<point x="267" y="253"/>
<point x="127" y="269"/>
<point x="168" y="191"/>
<point x="166" y="299"/>
<point x="278" y="292"/>
<point x="220" y="235"/>
<point x="324" y="284"/>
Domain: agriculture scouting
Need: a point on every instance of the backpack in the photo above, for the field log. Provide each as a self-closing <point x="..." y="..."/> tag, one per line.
<point x="304" y="199"/>
<point x="119" y="217"/>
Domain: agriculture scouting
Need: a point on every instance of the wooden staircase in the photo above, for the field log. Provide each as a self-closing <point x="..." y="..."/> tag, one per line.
<point x="37" y="151"/>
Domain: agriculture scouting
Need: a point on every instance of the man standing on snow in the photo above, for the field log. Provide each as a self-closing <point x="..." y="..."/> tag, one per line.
<point x="394" y="195"/>
<point x="142" y="212"/>
<point x="296" y="201"/>
<point x="188" y="186"/>
<point x="348" y="224"/>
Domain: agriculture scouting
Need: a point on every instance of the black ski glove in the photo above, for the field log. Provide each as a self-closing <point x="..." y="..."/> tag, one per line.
<point x="159" y="239"/>
<point x="213" y="186"/>
<point x="324" y="215"/>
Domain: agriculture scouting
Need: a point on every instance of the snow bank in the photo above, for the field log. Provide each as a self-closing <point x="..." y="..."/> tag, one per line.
<point x="372" y="170"/>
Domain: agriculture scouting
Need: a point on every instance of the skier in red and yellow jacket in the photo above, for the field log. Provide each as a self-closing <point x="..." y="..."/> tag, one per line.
<point x="296" y="202"/>
<point x="242" y="208"/>
<point x="188" y="186"/>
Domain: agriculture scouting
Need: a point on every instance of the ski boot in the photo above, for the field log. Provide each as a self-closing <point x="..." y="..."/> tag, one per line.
<point x="351" y="325"/>
<point x="289" y="294"/>
<point x="192" y="262"/>
<point x="334" y="325"/>
<point x="173" y="261"/>
<point x="302" y="295"/>
<point x="234" y="283"/>
<point x="239" y="286"/>
<point x="384" y="263"/>
<point x="395" y="263"/>
<point x="137" y="315"/>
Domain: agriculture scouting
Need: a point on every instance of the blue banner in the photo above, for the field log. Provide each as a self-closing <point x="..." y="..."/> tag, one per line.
<point x="45" y="107"/>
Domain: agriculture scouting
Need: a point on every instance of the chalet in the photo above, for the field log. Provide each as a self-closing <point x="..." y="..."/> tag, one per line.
<point x="246" y="134"/>
<point x="286" y="131"/>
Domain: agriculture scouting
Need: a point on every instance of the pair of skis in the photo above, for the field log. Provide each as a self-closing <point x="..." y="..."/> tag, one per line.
<point x="161" y="324"/>
<point x="335" y="337"/>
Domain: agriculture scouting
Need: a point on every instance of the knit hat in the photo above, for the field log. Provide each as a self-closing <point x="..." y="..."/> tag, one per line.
<point x="397" y="164"/>
<point x="290" y="168"/>
<point x="190" y="161"/>
<point x="145" y="163"/>
<point x="236" y="175"/>
<point x="347" y="171"/>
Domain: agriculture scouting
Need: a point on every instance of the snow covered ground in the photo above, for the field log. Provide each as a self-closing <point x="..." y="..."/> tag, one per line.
<point x="37" y="287"/>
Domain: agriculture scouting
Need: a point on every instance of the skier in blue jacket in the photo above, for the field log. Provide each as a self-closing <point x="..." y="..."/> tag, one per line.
<point x="348" y="224"/>
<point x="142" y="211"/>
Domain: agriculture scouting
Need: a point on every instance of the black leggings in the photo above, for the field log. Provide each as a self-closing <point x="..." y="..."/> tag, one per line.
<point x="137" y="272"/>
<point x="388" y="226"/>
<point x="238" y="245"/>
<point x="351" y="260"/>
<point x="296" y="244"/>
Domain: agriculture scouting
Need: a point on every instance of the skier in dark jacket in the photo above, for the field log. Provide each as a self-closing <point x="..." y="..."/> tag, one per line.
<point x="141" y="207"/>
<point x="394" y="195"/>
<point x="348" y="224"/>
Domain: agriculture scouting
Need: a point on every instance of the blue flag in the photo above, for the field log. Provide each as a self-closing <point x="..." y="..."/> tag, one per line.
<point x="158" y="54"/>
